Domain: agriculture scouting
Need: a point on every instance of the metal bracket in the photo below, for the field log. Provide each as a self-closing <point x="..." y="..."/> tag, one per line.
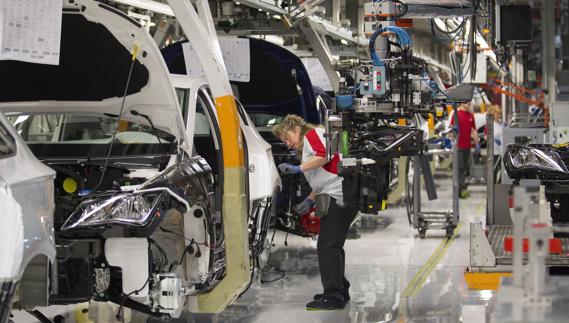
<point x="428" y="177"/>
<point x="481" y="254"/>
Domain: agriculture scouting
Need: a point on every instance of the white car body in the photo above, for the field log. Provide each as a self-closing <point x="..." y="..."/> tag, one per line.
<point x="264" y="179"/>
<point x="156" y="98"/>
<point x="26" y="218"/>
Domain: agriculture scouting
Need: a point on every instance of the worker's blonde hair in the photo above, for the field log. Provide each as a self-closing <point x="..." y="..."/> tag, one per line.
<point x="495" y="109"/>
<point x="289" y="123"/>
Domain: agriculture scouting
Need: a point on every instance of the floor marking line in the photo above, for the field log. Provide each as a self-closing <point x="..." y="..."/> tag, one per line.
<point x="408" y="291"/>
<point x="418" y="280"/>
<point x="418" y="275"/>
<point x="480" y="206"/>
<point x="416" y="284"/>
<point x="419" y="286"/>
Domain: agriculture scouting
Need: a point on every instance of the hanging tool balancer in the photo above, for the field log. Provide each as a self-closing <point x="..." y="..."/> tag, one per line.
<point x="383" y="92"/>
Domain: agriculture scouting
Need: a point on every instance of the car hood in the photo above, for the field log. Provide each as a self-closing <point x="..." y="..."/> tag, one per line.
<point x="279" y="81"/>
<point x="95" y="60"/>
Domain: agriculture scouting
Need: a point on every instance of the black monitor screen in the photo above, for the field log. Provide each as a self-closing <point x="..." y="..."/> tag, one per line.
<point x="515" y="24"/>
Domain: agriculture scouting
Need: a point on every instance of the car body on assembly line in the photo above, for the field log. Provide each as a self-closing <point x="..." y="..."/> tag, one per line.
<point x="138" y="217"/>
<point x="26" y="220"/>
<point x="279" y="84"/>
<point x="263" y="181"/>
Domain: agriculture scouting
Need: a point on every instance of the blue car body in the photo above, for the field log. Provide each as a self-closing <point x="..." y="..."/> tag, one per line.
<point x="279" y="84"/>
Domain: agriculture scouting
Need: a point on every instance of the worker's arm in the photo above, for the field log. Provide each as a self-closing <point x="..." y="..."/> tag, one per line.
<point x="313" y="163"/>
<point x="475" y="136"/>
<point x="312" y="195"/>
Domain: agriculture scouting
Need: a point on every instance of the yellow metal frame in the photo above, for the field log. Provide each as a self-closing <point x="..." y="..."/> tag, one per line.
<point x="484" y="281"/>
<point x="200" y="32"/>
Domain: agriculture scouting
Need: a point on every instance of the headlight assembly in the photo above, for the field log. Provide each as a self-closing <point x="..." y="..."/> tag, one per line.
<point x="534" y="158"/>
<point x="133" y="209"/>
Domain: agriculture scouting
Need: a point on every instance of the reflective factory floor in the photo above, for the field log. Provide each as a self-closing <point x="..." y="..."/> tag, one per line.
<point x="395" y="276"/>
<point x="387" y="261"/>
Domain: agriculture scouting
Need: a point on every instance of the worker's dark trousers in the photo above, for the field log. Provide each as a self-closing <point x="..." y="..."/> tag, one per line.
<point x="463" y="167"/>
<point x="331" y="258"/>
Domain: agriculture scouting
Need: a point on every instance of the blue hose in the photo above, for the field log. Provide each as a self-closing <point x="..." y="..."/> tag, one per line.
<point x="402" y="35"/>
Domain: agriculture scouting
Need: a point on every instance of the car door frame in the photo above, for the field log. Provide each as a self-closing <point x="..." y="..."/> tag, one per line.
<point x="194" y="90"/>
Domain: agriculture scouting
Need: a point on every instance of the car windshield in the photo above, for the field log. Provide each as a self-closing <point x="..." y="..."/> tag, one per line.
<point x="79" y="135"/>
<point x="265" y="121"/>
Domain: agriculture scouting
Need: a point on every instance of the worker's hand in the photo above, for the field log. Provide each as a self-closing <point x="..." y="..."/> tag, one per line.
<point x="287" y="168"/>
<point x="498" y="142"/>
<point x="304" y="207"/>
<point x="477" y="149"/>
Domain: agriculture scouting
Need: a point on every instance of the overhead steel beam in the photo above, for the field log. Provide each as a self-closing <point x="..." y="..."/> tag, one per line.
<point x="426" y="11"/>
<point x="548" y="44"/>
<point x="149" y="5"/>
<point x="321" y="50"/>
<point x="264" y="5"/>
<point x="258" y="27"/>
<point x="326" y="27"/>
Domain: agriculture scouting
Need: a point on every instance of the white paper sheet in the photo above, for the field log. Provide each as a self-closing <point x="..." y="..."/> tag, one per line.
<point x="30" y="30"/>
<point x="317" y="74"/>
<point x="236" y="55"/>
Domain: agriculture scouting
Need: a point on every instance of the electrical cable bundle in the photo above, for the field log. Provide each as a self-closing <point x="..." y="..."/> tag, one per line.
<point x="451" y="34"/>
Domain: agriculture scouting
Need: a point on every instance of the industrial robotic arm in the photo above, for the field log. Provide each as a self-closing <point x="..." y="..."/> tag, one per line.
<point x="381" y="112"/>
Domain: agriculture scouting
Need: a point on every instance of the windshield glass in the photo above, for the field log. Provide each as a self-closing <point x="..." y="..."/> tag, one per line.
<point x="265" y="121"/>
<point x="78" y="135"/>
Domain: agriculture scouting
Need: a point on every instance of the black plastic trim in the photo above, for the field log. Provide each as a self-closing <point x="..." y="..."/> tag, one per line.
<point x="15" y="144"/>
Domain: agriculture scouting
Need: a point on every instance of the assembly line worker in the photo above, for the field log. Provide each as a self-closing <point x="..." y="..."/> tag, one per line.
<point x="466" y="132"/>
<point x="322" y="175"/>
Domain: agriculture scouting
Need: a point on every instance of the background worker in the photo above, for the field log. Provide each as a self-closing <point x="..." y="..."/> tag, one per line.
<point x="467" y="134"/>
<point x="322" y="175"/>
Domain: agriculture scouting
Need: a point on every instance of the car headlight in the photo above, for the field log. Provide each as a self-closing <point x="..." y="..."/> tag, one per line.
<point x="133" y="209"/>
<point x="541" y="159"/>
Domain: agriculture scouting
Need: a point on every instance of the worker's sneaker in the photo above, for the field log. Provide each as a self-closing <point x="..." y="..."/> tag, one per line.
<point x="464" y="194"/>
<point x="325" y="304"/>
<point x="353" y="233"/>
<point x="346" y="295"/>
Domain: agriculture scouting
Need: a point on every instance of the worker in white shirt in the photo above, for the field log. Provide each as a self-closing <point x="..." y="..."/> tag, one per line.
<point x="322" y="175"/>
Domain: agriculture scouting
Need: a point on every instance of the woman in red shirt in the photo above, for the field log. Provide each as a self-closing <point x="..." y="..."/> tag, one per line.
<point x="322" y="175"/>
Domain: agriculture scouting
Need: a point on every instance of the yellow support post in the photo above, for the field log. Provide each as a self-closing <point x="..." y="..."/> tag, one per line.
<point x="234" y="212"/>
<point x="431" y="123"/>
<point x="200" y="31"/>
